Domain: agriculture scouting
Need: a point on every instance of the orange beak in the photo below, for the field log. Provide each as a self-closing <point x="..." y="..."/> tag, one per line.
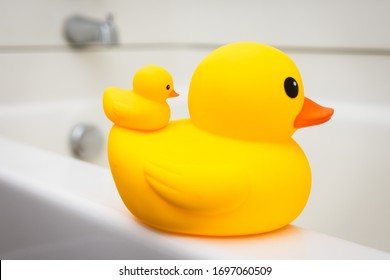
<point x="312" y="114"/>
<point x="173" y="93"/>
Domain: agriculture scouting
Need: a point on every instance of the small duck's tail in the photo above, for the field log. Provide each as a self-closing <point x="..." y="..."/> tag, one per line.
<point x="108" y="103"/>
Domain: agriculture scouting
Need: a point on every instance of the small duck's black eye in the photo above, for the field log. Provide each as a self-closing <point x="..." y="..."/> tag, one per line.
<point x="168" y="87"/>
<point x="291" y="87"/>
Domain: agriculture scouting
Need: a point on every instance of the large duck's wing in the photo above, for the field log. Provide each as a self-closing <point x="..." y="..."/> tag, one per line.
<point x="205" y="187"/>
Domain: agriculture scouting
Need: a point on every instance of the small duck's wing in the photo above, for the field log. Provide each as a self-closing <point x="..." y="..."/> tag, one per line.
<point x="205" y="187"/>
<point x="121" y="106"/>
<point x="125" y="111"/>
<point x="118" y="105"/>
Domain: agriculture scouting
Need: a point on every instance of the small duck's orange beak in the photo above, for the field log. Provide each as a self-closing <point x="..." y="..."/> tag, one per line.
<point x="173" y="93"/>
<point x="312" y="114"/>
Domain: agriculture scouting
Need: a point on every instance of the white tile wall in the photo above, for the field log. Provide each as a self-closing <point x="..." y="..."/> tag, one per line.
<point x="335" y="43"/>
<point x="331" y="23"/>
<point x="341" y="47"/>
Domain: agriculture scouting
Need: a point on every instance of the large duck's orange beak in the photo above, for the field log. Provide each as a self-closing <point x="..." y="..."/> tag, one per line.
<point x="173" y="93"/>
<point x="312" y="114"/>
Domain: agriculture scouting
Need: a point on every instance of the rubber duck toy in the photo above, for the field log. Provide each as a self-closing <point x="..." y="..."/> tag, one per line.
<point x="232" y="168"/>
<point x="144" y="107"/>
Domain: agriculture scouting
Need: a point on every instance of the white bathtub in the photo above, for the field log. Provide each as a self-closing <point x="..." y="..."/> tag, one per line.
<point x="349" y="156"/>
<point x="48" y="125"/>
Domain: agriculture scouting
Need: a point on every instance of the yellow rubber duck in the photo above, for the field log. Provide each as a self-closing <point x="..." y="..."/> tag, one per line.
<point x="144" y="107"/>
<point x="232" y="168"/>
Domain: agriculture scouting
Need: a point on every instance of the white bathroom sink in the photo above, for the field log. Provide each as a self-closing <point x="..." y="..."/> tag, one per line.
<point x="56" y="207"/>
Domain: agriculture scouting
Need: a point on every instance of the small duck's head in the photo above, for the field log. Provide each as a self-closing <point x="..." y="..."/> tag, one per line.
<point x="251" y="91"/>
<point x="154" y="82"/>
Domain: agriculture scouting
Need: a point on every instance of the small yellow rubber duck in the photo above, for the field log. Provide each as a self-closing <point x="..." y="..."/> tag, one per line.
<point x="232" y="168"/>
<point x="144" y="107"/>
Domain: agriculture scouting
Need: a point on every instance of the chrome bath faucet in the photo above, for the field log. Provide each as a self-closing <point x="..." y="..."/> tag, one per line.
<point x="81" y="31"/>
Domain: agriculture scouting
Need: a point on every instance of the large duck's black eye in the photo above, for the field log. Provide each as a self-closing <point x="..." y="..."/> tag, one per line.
<point x="291" y="87"/>
<point x="168" y="87"/>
